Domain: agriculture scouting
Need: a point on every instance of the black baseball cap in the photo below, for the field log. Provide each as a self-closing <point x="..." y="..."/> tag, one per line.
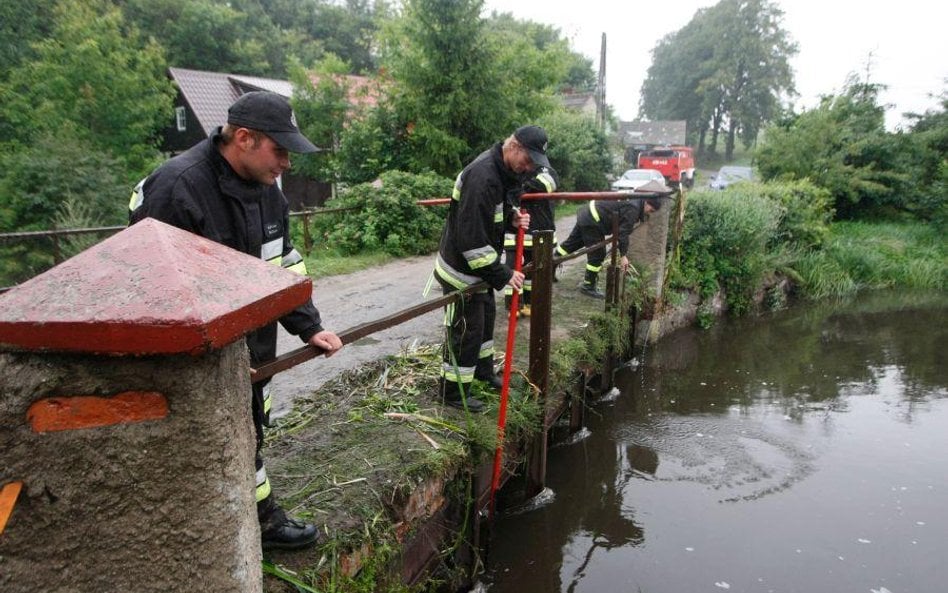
<point x="533" y="138"/>
<point x="271" y="114"/>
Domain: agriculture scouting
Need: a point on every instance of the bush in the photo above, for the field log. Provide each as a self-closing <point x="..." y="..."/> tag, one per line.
<point x="806" y="211"/>
<point x="728" y="243"/>
<point x="388" y="218"/>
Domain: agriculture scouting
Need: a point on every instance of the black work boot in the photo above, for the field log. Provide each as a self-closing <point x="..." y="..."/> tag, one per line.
<point x="451" y="395"/>
<point x="493" y="381"/>
<point x="279" y="532"/>
<point x="588" y="287"/>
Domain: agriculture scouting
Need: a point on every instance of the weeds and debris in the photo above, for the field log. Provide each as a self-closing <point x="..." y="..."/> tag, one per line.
<point x="374" y="453"/>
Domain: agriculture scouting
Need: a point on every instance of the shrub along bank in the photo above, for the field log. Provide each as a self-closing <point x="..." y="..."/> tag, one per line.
<point x="744" y="239"/>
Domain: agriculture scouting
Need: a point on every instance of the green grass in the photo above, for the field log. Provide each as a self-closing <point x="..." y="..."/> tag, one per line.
<point x="322" y="262"/>
<point x="864" y="255"/>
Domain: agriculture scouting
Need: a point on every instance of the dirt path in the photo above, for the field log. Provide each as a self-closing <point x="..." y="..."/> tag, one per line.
<point x="352" y="299"/>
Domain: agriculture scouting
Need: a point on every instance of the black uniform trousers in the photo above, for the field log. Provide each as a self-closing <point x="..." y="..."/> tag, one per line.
<point x="469" y="344"/>
<point x="584" y="236"/>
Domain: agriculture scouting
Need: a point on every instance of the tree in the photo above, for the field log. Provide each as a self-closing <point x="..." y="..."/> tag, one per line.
<point x="321" y="102"/>
<point x="446" y="86"/>
<point x="927" y="163"/>
<point x="45" y="185"/>
<point x="725" y="71"/>
<point x="669" y="92"/>
<point x="840" y="145"/>
<point x="94" y="77"/>
<point x="21" y="25"/>
<point x="203" y="35"/>
<point x="579" y="150"/>
<point x="460" y="83"/>
<point x="537" y="56"/>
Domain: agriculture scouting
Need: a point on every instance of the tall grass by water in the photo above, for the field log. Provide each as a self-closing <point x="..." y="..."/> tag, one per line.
<point x="871" y="255"/>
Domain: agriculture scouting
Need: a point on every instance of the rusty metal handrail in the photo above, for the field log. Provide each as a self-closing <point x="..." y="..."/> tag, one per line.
<point x="300" y="355"/>
<point x="572" y="196"/>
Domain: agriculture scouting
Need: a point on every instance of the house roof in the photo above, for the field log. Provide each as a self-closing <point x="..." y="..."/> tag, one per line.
<point x="209" y="94"/>
<point x="578" y="100"/>
<point x="363" y="91"/>
<point x="654" y="133"/>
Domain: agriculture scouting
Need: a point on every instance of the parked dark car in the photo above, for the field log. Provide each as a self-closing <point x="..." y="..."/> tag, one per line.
<point x="731" y="174"/>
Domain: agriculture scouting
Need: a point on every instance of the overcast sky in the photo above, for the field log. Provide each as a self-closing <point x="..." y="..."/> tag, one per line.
<point x="907" y="40"/>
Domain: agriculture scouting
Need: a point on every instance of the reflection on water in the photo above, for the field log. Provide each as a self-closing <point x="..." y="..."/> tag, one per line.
<point x="802" y="451"/>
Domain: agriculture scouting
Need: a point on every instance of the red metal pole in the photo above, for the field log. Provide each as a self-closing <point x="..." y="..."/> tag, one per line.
<point x="505" y="386"/>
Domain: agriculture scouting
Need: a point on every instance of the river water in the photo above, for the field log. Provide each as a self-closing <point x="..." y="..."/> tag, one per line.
<point x="802" y="451"/>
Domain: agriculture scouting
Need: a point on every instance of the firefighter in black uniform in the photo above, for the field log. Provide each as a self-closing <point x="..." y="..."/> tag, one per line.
<point x="541" y="180"/>
<point x="594" y="223"/>
<point x="471" y="243"/>
<point x="224" y="189"/>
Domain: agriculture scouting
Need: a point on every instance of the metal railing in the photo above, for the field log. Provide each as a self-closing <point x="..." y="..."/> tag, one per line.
<point x="538" y="356"/>
<point x="56" y="235"/>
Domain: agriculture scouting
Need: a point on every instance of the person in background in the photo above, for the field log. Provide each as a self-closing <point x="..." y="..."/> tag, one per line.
<point x="469" y="253"/>
<point x="541" y="180"/>
<point x="224" y="188"/>
<point x="594" y="223"/>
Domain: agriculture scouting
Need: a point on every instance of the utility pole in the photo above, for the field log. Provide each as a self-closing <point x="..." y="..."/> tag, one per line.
<point x="601" y="88"/>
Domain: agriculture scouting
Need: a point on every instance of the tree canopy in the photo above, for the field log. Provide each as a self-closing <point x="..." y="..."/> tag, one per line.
<point x="725" y="72"/>
<point x="842" y="145"/>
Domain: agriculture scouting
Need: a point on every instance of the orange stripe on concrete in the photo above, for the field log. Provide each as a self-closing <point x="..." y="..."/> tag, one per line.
<point x="90" y="411"/>
<point x="7" y="500"/>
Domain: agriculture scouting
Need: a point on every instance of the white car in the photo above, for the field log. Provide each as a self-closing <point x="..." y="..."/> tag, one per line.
<point x="636" y="178"/>
<point x="730" y="174"/>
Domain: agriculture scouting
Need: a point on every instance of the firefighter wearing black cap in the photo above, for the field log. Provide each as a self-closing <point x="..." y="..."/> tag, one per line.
<point x="594" y="223"/>
<point x="541" y="180"/>
<point x="471" y="243"/>
<point x="225" y="189"/>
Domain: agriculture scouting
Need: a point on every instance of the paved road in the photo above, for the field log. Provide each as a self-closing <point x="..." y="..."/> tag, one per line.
<point x="352" y="299"/>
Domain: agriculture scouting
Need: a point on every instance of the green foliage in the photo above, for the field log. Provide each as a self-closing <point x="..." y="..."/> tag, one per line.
<point x="578" y="150"/>
<point x="389" y="220"/>
<point x="805" y="210"/>
<point x="862" y="255"/>
<point x="724" y="72"/>
<point x="57" y="181"/>
<point x="371" y="145"/>
<point x="21" y="25"/>
<point x="38" y="181"/>
<point x="202" y="34"/>
<point x="460" y="83"/>
<point x="321" y="103"/>
<point x="446" y="87"/>
<point x="727" y="244"/>
<point x="94" y="77"/>
<point x="841" y="146"/>
<point x="925" y="162"/>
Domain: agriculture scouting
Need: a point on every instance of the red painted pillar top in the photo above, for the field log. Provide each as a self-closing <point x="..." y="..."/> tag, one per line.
<point x="150" y="289"/>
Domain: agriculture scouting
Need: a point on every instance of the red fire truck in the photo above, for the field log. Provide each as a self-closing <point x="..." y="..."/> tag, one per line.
<point x="676" y="164"/>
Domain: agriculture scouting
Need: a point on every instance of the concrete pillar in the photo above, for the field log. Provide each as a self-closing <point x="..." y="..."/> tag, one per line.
<point x="647" y="252"/>
<point x="126" y="442"/>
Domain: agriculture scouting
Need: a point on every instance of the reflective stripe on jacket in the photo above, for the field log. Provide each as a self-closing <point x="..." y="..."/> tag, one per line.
<point x="473" y="234"/>
<point x="601" y="213"/>
<point x="199" y="192"/>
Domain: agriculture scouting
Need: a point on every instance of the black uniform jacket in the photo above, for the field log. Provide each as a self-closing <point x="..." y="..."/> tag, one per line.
<point x="473" y="235"/>
<point x="198" y="191"/>
<point x="601" y="213"/>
